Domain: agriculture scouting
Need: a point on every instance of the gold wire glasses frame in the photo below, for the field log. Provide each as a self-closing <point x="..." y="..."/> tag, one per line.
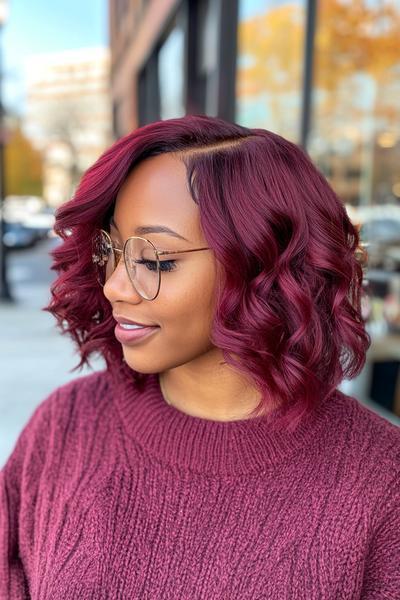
<point x="101" y="254"/>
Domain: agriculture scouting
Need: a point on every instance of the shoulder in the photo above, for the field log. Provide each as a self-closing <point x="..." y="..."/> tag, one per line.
<point x="75" y="404"/>
<point x="367" y="446"/>
<point x="86" y="392"/>
<point x="85" y="386"/>
<point x="65" y="412"/>
<point x="373" y="481"/>
<point x="368" y="431"/>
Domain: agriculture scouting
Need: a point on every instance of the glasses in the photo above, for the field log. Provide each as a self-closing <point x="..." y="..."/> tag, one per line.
<point x="141" y="258"/>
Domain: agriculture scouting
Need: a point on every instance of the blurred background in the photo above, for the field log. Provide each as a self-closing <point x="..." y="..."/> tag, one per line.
<point x="75" y="76"/>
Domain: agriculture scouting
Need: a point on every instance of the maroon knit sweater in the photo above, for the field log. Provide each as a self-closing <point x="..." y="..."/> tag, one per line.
<point x="111" y="493"/>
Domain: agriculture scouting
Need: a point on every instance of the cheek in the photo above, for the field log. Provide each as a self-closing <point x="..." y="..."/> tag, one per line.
<point x="193" y="307"/>
<point x="186" y="319"/>
<point x="187" y="310"/>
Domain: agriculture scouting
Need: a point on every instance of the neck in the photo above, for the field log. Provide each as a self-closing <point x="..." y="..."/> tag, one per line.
<point x="210" y="392"/>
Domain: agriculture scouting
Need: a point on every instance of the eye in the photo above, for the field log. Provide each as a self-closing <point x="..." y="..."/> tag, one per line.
<point x="165" y="265"/>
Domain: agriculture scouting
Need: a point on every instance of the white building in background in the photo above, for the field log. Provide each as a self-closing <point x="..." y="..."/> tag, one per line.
<point x="68" y="115"/>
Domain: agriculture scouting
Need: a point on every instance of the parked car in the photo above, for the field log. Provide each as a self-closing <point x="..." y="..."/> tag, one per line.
<point x="40" y="223"/>
<point x="379" y="228"/>
<point x="26" y="220"/>
<point x="382" y="235"/>
<point x="16" y="235"/>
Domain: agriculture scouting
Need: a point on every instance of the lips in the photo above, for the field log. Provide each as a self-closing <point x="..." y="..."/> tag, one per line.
<point x="121" y="319"/>
<point x="133" y="336"/>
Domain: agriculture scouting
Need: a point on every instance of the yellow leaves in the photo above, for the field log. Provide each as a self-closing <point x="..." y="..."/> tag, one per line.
<point x="23" y="166"/>
<point x="270" y="50"/>
<point x="350" y="37"/>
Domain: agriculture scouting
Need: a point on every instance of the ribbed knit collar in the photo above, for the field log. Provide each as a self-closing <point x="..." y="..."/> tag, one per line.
<point x="205" y="446"/>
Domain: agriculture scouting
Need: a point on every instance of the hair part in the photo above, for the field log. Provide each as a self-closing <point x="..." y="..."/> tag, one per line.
<point x="288" y="308"/>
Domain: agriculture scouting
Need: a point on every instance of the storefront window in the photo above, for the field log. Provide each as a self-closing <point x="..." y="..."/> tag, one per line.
<point x="355" y="134"/>
<point x="270" y="65"/>
<point x="171" y="70"/>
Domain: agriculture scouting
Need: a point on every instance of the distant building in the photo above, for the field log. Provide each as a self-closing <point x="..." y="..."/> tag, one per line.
<point x="68" y="115"/>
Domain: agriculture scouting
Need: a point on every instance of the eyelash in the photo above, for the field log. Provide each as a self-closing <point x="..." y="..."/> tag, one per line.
<point x="166" y="266"/>
<point x="163" y="263"/>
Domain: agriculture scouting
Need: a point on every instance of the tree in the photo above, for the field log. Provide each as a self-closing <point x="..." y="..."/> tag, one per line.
<point x="23" y="165"/>
<point x="355" y="87"/>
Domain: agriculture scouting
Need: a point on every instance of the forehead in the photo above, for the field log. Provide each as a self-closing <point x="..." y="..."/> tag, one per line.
<point x="156" y="191"/>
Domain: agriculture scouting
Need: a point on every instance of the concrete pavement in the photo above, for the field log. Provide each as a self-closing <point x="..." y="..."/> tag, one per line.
<point x="35" y="358"/>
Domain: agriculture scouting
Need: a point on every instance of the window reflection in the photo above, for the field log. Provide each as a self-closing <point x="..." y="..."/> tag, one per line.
<point x="270" y="65"/>
<point x="171" y="73"/>
<point x="355" y="137"/>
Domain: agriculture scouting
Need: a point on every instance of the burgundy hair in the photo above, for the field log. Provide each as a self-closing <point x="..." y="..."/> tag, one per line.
<point x="288" y="313"/>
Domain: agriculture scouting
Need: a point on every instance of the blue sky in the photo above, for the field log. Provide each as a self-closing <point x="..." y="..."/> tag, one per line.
<point x="37" y="26"/>
<point x="250" y="8"/>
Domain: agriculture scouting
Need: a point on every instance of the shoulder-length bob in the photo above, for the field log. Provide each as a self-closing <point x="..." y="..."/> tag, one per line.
<point x="288" y="314"/>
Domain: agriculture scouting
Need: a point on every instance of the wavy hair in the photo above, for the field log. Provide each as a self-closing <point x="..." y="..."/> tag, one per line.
<point x="288" y="311"/>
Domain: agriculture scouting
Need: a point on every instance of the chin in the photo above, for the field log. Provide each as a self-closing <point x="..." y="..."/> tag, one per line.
<point x="141" y="364"/>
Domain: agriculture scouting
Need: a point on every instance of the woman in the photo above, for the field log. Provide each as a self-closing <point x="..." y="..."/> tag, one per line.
<point x="216" y="271"/>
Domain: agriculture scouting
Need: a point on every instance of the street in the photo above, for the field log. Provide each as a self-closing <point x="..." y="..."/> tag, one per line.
<point x="35" y="357"/>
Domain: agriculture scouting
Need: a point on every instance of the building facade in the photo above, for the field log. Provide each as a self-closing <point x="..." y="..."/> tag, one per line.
<point x="323" y="74"/>
<point x="168" y="59"/>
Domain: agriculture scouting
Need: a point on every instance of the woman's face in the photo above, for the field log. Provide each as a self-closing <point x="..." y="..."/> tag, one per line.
<point x="156" y="193"/>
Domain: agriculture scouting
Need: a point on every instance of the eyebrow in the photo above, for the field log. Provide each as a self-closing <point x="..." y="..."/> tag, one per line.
<point x="152" y="229"/>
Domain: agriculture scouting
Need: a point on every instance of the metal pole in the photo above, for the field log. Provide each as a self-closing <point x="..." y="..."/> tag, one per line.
<point x="5" y="294"/>
<point x="311" y="7"/>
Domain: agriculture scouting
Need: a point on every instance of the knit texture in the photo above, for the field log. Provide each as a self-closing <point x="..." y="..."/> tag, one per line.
<point x="111" y="493"/>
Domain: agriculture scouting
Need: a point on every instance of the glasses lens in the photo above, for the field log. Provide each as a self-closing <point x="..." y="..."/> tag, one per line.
<point x="142" y="267"/>
<point x="102" y="257"/>
<point x="141" y="263"/>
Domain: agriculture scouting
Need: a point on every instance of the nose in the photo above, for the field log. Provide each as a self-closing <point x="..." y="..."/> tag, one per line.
<point x="118" y="286"/>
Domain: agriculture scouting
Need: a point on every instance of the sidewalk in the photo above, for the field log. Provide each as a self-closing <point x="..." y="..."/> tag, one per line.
<point x="35" y="358"/>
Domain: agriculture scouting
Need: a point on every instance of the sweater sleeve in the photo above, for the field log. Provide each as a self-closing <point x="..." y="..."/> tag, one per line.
<point x="19" y="482"/>
<point x="382" y="570"/>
